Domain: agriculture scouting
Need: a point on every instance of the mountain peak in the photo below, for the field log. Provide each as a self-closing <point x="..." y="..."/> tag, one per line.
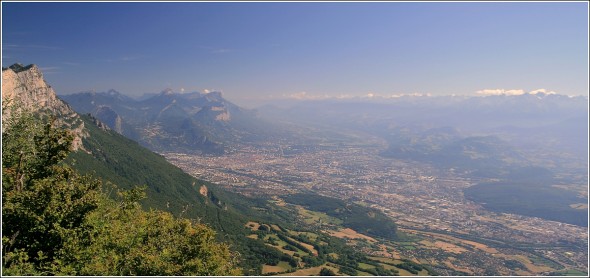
<point x="214" y="96"/>
<point x="113" y="92"/>
<point x="167" y="92"/>
<point x="17" y="67"/>
<point x="31" y="71"/>
<point x="215" y="93"/>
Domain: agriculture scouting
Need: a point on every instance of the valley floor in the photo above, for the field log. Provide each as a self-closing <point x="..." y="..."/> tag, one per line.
<point x="443" y="228"/>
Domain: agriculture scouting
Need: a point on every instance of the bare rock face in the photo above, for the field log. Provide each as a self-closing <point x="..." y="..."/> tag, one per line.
<point x="223" y="115"/>
<point x="110" y="118"/>
<point x="24" y="89"/>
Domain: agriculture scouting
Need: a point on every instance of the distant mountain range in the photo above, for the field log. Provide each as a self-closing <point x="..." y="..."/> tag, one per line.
<point x="208" y="123"/>
<point x="535" y="123"/>
<point x="469" y="113"/>
<point x="184" y="122"/>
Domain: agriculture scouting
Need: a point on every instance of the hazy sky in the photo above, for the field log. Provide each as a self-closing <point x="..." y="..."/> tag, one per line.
<point x="258" y="50"/>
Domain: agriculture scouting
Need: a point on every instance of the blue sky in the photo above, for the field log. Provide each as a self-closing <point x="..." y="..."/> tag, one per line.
<point x="260" y="50"/>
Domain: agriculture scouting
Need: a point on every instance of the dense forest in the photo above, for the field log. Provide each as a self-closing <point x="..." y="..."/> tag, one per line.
<point x="362" y="219"/>
<point x="536" y="199"/>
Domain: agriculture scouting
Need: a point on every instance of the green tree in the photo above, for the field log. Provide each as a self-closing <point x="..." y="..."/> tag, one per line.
<point x="130" y="241"/>
<point x="57" y="222"/>
<point x="43" y="203"/>
<point x="327" y="272"/>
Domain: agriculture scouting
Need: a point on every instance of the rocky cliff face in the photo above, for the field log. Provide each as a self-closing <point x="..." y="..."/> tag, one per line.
<point x="110" y="118"/>
<point x="24" y="89"/>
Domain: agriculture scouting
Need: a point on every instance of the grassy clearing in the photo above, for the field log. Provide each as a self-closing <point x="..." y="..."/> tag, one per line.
<point x="281" y="267"/>
<point x="351" y="234"/>
<point x="574" y="272"/>
<point x="281" y="243"/>
<point x="312" y="271"/>
<point x="388" y="266"/>
<point x="252" y="225"/>
<point x="438" y="244"/>
<point x="449" y="247"/>
<point x="284" y="265"/>
<point x="521" y="272"/>
<point x="308" y="246"/>
<point x="362" y="273"/>
<point x="457" y="241"/>
<point x="403" y="272"/>
<point x="533" y="268"/>
<point x="278" y="201"/>
<point x="365" y="266"/>
<point x="364" y="204"/>
<point x="389" y="263"/>
<point x="423" y="272"/>
<point x="407" y="237"/>
<point x="534" y="265"/>
<point x="334" y="255"/>
<point x="542" y="261"/>
<point x="310" y="235"/>
<point x="386" y="260"/>
<point x="314" y="217"/>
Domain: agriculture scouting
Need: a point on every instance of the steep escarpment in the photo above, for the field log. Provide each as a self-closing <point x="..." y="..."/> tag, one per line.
<point x="25" y="89"/>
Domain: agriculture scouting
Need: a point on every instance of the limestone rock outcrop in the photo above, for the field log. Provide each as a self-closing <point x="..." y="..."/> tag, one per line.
<point x="25" y="89"/>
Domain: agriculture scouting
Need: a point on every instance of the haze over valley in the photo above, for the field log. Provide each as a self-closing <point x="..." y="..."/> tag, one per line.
<point x="305" y="159"/>
<point x="505" y="169"/>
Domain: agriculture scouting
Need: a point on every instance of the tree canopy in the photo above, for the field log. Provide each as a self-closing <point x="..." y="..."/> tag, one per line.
<point x="58" y="222"/>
